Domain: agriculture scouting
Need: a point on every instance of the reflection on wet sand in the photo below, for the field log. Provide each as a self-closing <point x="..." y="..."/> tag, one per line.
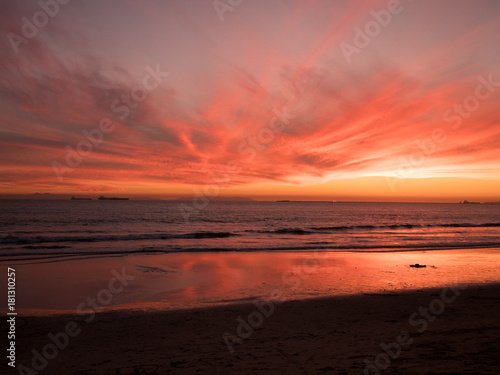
<point x="185" y="280"/>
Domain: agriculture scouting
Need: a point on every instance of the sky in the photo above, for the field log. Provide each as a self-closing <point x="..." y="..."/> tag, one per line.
<point x="270" y="99"/>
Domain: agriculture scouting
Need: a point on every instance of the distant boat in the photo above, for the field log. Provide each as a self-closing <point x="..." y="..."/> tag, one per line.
<point x="467" y="202"/>
<point x="284" y="200"/>
<point x="80" y="199"/>
<point x="102" y="198"/>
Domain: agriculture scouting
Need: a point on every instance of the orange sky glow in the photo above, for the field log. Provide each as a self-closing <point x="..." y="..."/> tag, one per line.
<point x="307" y="100"/>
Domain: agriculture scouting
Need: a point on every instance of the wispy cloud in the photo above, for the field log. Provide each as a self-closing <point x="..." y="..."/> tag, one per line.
<point x="227" y="81"/>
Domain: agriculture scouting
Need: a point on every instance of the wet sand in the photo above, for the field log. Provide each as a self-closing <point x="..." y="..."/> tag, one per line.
<point x="273" y="313"/>
<point x="193" y="280"/>
<point x="459" y="333"/>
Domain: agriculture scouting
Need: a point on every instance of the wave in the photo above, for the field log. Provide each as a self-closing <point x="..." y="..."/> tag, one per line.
<point x="404" y="226"/>
<point x="290" y="231"/>
<point x="65" y="255"/>
<point x="9" y="239"/>
<point x="24" y="239"/>
<point x="340" y="228"/>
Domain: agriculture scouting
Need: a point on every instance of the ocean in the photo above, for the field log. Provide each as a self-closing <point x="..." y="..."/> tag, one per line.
<point x="41" y="229"/>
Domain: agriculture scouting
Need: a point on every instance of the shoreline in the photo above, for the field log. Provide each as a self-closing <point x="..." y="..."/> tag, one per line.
<point x="190" y="280"/>
<point x="312" y="249"/>
<point x="322" y="335"/>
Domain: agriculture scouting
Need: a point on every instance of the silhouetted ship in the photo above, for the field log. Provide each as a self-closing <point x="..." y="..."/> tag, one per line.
<point x="101" y="198"/>
<point x="467" y="202"/>
<point x="80" y="199"/>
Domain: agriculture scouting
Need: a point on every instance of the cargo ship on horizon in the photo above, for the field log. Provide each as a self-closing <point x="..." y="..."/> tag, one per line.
<point x="103" y="198"/>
